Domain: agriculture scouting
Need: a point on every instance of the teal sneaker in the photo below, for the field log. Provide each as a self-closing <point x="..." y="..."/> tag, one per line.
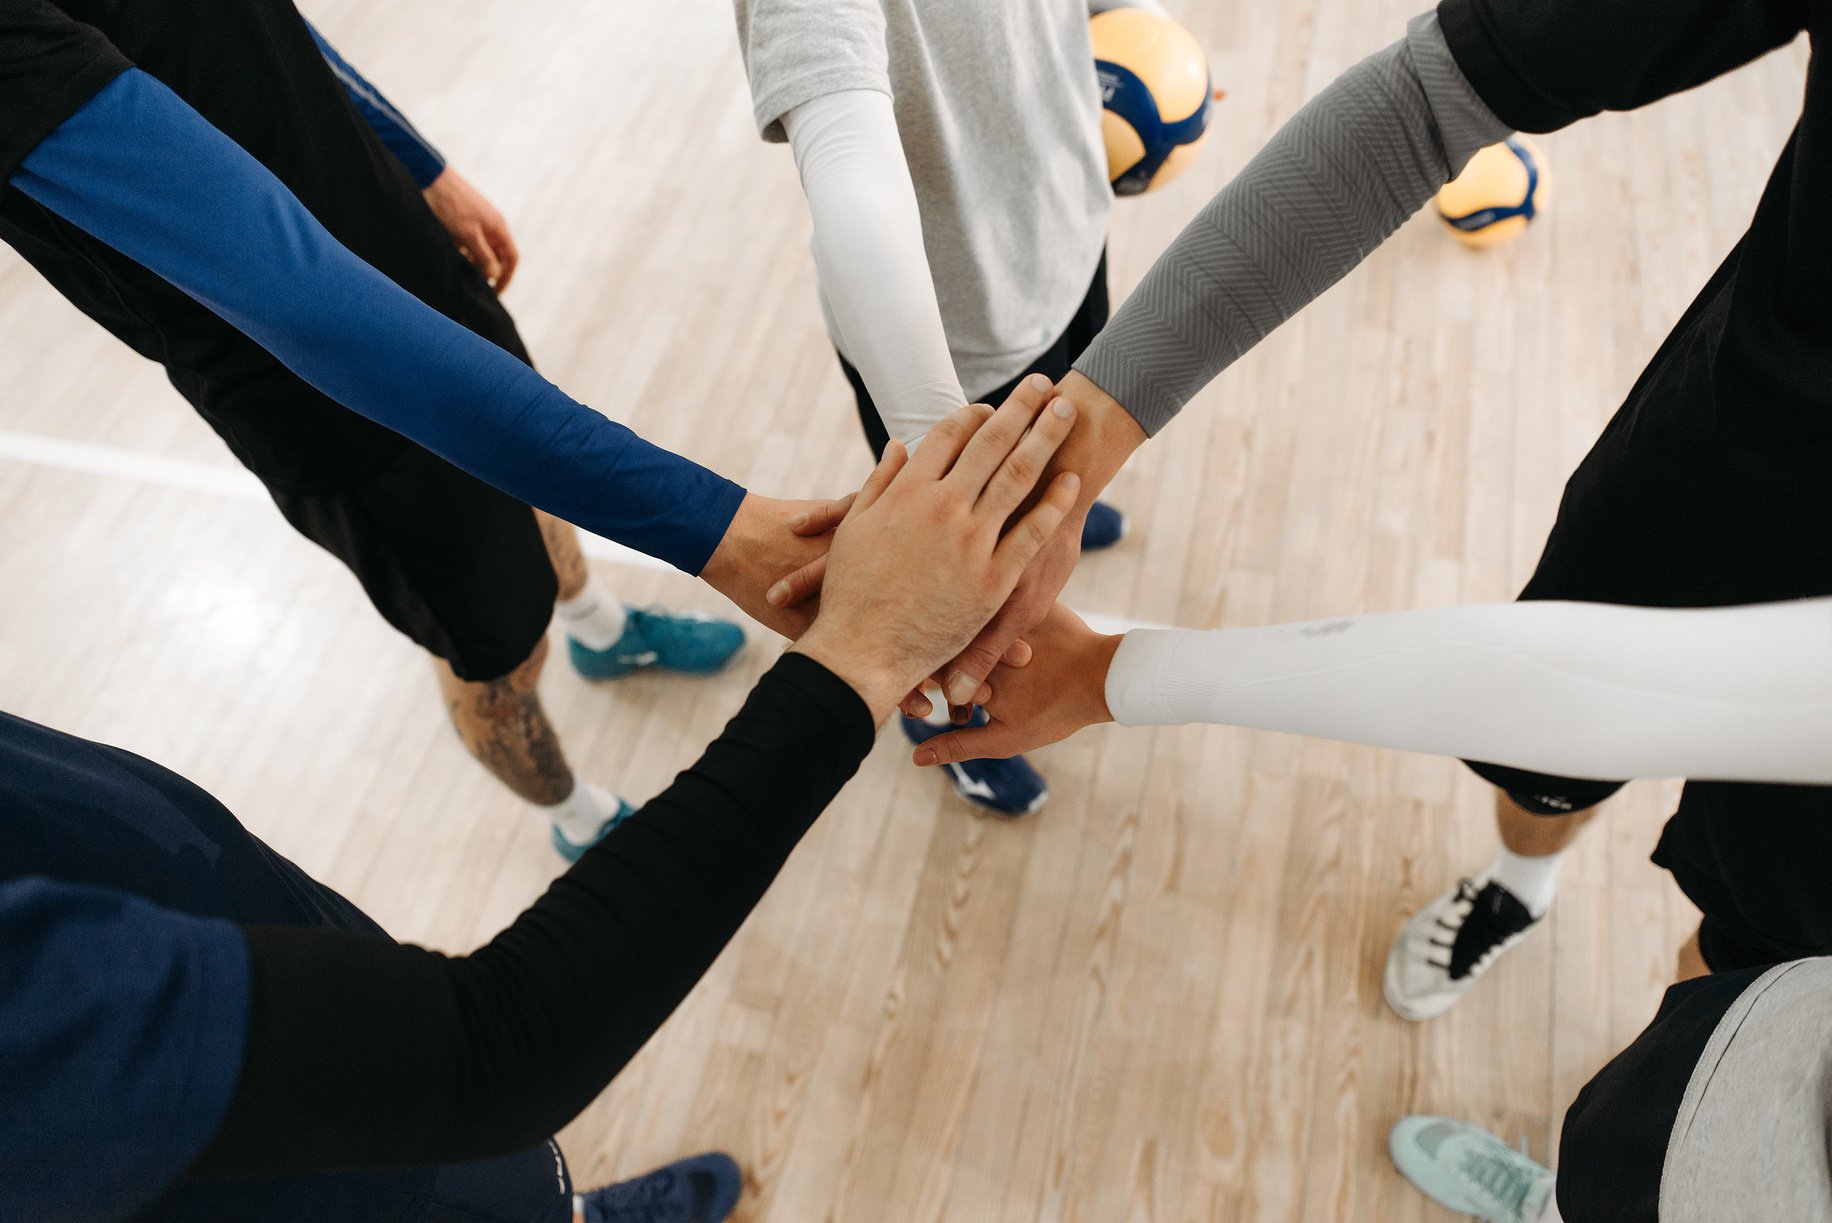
<point x="1470" y="1170"/>
<point x="572" y="851"/>
<point x="652" y="637"/>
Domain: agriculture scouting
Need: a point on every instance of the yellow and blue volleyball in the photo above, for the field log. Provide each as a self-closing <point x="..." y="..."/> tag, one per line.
<point x="1498" y="194"/>
<point x="1154" y="86"/>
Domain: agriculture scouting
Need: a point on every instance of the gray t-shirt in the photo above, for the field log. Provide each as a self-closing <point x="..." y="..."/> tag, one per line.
<point x="1750" y="1141"/>
<point x="999" y="112"/>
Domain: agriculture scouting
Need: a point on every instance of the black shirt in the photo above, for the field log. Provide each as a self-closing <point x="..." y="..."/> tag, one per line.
<point x="1710" y="485"/>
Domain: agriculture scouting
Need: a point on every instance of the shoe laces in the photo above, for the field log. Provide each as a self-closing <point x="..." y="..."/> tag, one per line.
<point x="1493" y="916"/>
<point x="1466" y="898"/>
<point x="1503" y="1175"/>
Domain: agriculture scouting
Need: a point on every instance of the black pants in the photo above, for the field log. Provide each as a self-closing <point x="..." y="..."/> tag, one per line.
<point x="1053" y="362"/>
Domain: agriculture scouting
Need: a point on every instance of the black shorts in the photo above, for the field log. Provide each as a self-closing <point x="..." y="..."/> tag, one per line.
<point x="1690" y="500"/>
<point x="1614" y="1144"/>
<point x="448" y="560"/>
<point x="1053" y="363"/>
<point x="451" y="562"/>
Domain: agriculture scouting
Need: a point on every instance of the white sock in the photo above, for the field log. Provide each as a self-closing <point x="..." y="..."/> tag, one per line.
<point x="1534" y="881"/>
<point x="592" y="617"/>
<point x="582" y="813"/>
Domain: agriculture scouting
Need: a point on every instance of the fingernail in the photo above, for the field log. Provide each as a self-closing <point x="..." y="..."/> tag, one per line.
<point x="922" y="707"/>
<point x="1063" y="408"/>
<point x="960" y="715"/>
<point x="779" y="594"/>
<point x="1071" y="481"/>
<point x="961" y="688"/>
<point x="800" y="520"/>
<point x="1039" y="383"/>
<point x="926" y="755"/>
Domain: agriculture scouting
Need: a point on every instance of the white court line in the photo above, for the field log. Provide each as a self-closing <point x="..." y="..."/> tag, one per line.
<point x="95" y="459"/>
<point x="91" y="458"/>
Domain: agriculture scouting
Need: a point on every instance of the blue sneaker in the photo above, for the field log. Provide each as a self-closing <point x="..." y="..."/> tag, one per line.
<point x="572" y="851"/>
<point x="703" y="1189"/>
<point x="1470" y="1170"/>
<point x="1105" y="527"/>
<point x="1009" y="787"/>
<point x="652" y="637"/>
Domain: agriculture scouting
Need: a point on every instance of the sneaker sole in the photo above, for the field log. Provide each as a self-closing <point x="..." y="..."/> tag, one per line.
<point x="1408" y="1011"/>
<point x="626" y="671"/>
<point x="1415" y="1013"/>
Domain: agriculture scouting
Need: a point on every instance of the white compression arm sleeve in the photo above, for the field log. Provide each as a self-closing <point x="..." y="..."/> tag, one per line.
<point x="868" y="249"/>
<point x="1571" y="689"/>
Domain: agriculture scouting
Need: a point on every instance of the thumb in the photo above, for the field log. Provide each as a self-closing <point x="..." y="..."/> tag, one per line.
<point x="823" y="517"/>
<point x="974" y="665"/>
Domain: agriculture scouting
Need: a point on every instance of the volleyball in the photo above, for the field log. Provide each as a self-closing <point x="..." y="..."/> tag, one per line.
<point x="1498" y="194"/>
<point x="1155" y="94"/>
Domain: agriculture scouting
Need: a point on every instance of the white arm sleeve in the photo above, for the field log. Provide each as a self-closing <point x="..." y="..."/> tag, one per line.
<point x="1570" y="689"/>
<point x="869" y="253"/>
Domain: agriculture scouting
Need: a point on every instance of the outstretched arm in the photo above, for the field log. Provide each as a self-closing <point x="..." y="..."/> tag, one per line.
<point x="1339" y="178"/>
<point x="143" y="172"/>
<point x="1336" y="180"/>
<point x="1571" y="689"/>
<point x="1333" y="184"/>
<point x="361" y="1054"/>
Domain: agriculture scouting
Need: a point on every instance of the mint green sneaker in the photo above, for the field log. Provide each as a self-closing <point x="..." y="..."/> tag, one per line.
<point x="1470" y="1170"/>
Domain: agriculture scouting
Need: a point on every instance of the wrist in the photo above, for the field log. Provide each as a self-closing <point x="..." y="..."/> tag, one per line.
<point x="726" y="559"/>
<point x="878" y="684"/>
<point x="1095" y="668"/>
<point x="1104" y="437"/>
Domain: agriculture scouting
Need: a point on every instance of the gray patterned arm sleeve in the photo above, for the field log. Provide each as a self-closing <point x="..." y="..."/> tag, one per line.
<point x="1337" y="179"/>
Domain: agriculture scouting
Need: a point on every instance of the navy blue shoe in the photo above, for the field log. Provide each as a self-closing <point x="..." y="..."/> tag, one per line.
<point x="1105" y="527"/>
<point x="702" y="1189"/>
<point x="654" y="637"/>
<point x="1009" y="787"/>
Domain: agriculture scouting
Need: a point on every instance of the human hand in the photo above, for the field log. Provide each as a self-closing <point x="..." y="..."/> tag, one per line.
<point x="1104" y="437"/>
<point x="924" y="556"/>
<point x="1062" y="689"/>
<point x="481" y="234"/>
<point x="766" y="539"/>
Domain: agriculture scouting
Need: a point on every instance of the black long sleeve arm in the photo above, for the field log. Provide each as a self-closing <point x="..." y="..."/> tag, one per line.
<point x="365" y="1053"/>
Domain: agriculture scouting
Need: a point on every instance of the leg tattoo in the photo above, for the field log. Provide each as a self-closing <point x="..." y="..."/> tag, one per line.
<point x="502" y="723"/>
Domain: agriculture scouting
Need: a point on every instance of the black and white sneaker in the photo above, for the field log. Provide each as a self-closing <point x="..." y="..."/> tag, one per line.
<point x="1449" y="943"/>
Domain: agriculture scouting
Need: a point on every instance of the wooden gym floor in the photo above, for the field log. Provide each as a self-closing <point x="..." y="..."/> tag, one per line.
<point x="1157" y="1000"/>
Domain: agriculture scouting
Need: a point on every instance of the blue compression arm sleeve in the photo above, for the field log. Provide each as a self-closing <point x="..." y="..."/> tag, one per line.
<point x="403" y="140"/>
<point x="143" y="172"/>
